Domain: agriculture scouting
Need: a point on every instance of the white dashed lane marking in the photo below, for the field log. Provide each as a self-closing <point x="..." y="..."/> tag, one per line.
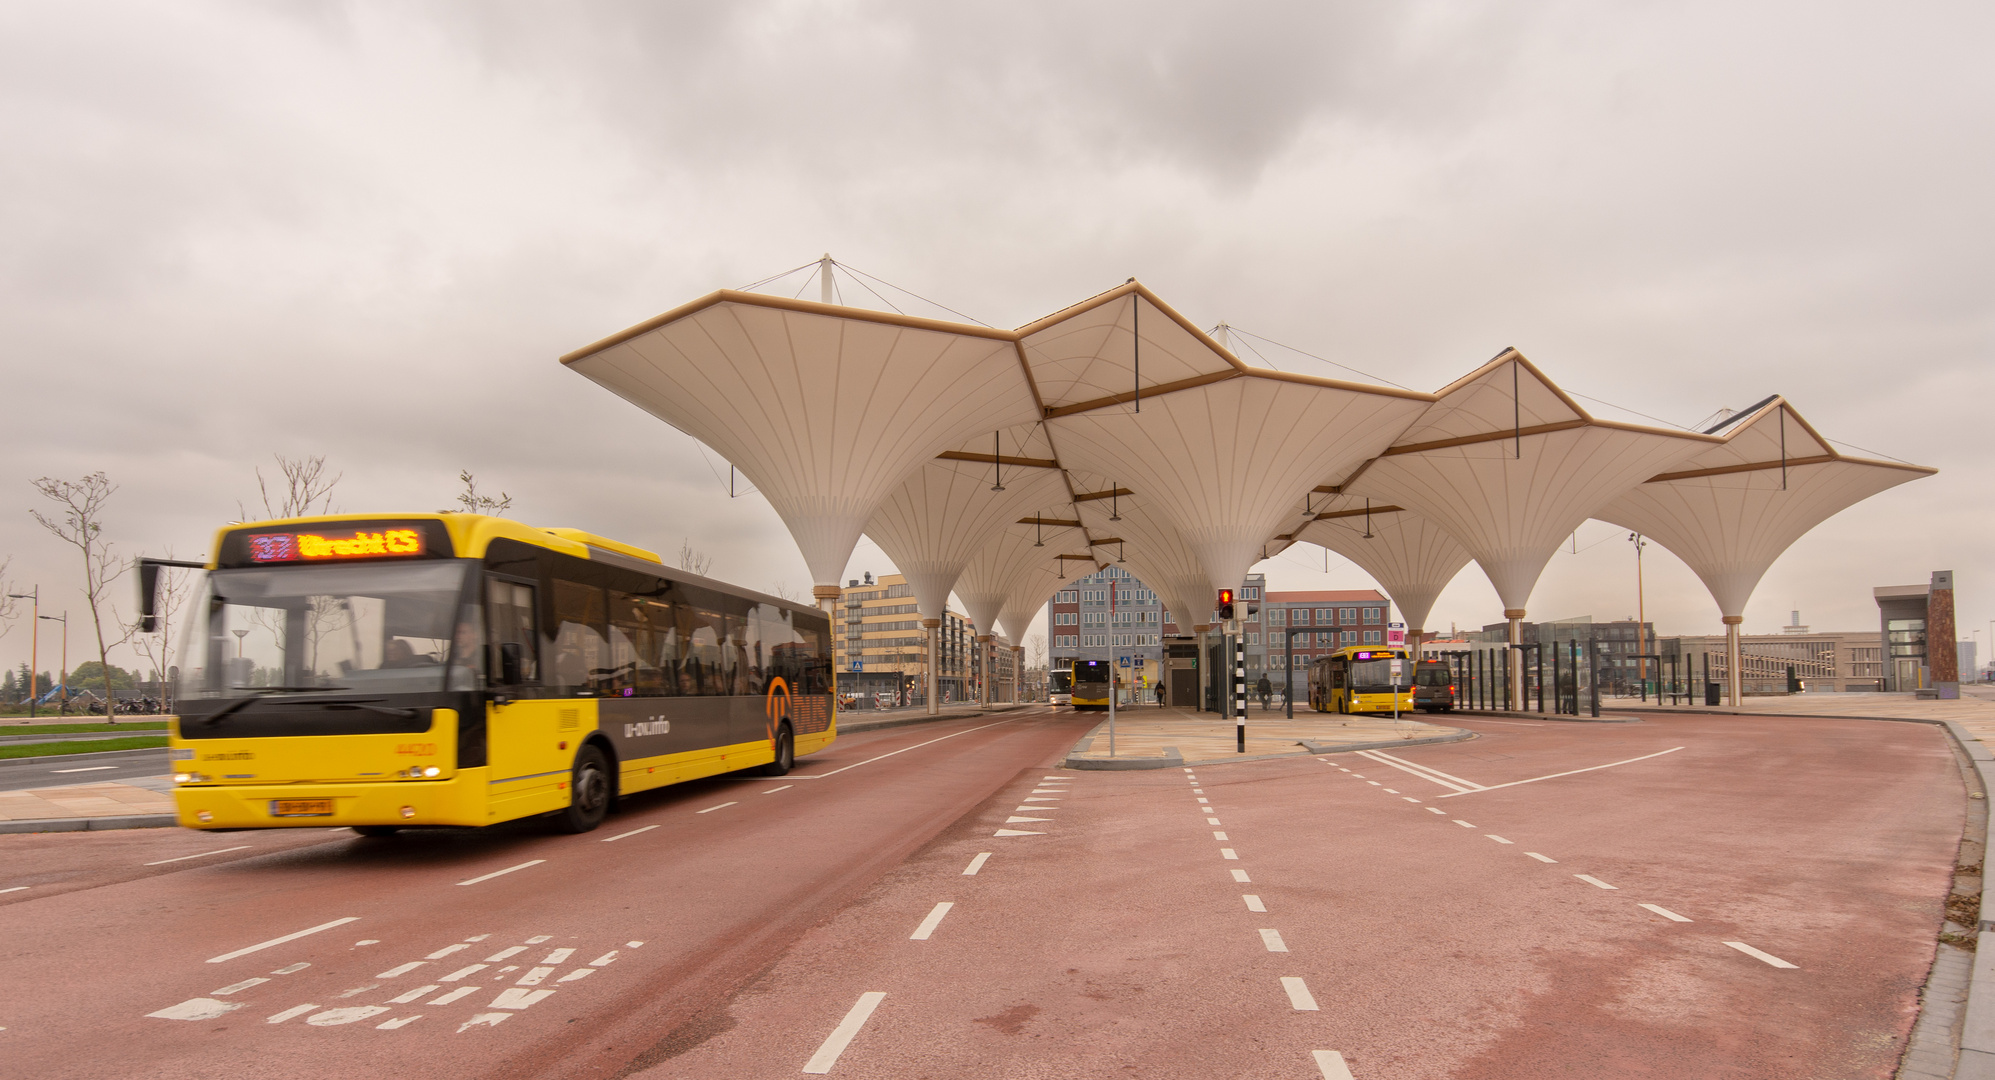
<point x="499" y="873"/>
<point x="1299" y="997"/>
<point x="1240" y="875"/>
<point x="1254" y="902"/>
<point x="633" y="832"/>
<point x="841" y="1036"/>
<point x="1541" y="858"/>
<point x="1463" y="824"/>
<point x="1272" y="939"/>
<point x="202" y="855"/>
<point x="1758" y="955"/>
<point x="1595" y="882"/>
<point x="1331" y="1064"/>
<point x="1498" y="839"/>
<point x="976" y="864"/>
<point x="934" y="919"/>
<point x="711" y="809"/>
<point x="1665" y="913"/>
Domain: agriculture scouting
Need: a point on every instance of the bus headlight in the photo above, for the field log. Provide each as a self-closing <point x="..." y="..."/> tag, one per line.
<point x="432" y="771"/>
<point x="203" y="816"/>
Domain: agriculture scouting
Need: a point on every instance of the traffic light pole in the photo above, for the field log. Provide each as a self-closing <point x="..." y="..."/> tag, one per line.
<point x="1240" y="691"/>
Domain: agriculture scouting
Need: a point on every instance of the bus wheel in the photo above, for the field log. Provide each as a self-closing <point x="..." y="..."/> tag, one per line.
<point x="589" y="792"/>
<point x="377" y="830"/>
<point x="786" y="753"/>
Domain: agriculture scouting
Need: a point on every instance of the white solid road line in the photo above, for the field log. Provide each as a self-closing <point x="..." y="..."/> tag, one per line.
<point x="1595" y="882"/>
<point x="632" y="832"/>
<point x="1299" y="997"/>
<point x="1570" y="772"/>
<point x="16" y="888"/>
<point x="1424" y="772"/>
<point x="902" y="750"/>
<point x="976" y="864"/>
<point x="1241" y="875"/>
<point x="711" y="809"/>
<point x="202" y="855"/>
<point x="1758" y="955"/>
<point x="774" y="790"/>
<point x="1331" y="1064"/>
<point x="507" y="870"/>
<point x="1253" y="902"/>
<point x="1272" y="939"/>
<point x="87" y="768"/>
<point x="1541" y="858"/>
<point x="842" y="1035"/>
<point x="260" y="946"/>
<point x="934" y="919"/>
<point x="1666" y="913"/>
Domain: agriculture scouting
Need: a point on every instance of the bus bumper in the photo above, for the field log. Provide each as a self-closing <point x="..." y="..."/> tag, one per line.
<point x="456" y="801"/>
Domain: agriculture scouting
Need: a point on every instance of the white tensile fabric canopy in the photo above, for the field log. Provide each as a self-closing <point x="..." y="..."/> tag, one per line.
<point x="1131" y="436"/>
<point x="825" y="409"/>
<point x="1410" y="556"/>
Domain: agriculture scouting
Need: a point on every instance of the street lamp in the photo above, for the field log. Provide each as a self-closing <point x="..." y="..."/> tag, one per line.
<point x="34" y="647"/>
<point x="64" y="620"/>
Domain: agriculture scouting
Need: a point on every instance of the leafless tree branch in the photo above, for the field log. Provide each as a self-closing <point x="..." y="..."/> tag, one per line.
<point x="305" y="484"/>
<point x="699" y="562"/>
<point x="80" y="523"/>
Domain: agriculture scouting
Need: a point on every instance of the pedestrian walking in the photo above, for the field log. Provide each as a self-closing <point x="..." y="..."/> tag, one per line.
<point x="1264" y="688"/>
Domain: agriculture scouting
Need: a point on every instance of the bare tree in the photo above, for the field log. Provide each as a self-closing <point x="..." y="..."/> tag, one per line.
<point x="780" y="589"/>
<point x="10" y="608"/>
<point x="1035" y="651"/>
<point x="170" y="594"/>
<point x="470" y="502"/>
<point x="305" y="484"/>
<point x="699" y="562"/>
<point x="80" y="524"/>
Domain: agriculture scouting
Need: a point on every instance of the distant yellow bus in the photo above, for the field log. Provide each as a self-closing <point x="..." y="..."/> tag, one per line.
<point x="1359" y="680"/>
<point x="1091" y="684"/>
<point x="379" y="672"/>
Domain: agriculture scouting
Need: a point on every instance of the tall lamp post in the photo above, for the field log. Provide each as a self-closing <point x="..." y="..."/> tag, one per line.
<point x="1641" y="611"/>
<point x="64" y="620"/>
<point x="34" y="644"/>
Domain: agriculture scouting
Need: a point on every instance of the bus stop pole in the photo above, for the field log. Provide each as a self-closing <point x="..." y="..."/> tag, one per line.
<point x="1288" y="674"/>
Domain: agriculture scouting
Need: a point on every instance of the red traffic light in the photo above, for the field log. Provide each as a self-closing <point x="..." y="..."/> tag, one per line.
<point x="1226" y="596"/>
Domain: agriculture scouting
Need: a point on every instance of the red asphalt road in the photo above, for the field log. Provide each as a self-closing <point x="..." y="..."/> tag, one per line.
<point x="1117" y="941"/>
<point x="664" y="921"/>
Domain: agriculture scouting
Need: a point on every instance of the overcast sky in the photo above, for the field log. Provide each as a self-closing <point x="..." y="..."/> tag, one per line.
<point x="366" y="231"/>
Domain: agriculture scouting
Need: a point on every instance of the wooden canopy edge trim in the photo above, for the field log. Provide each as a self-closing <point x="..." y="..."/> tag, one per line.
<point x="1057" y="522"/>
<point x="1487" y="436"/>
<point x="1058" y="411"/>
<point x="1761" y="466"/>
<point x="784" y="303"/>
<point x="998" y="459"/>
<point x="1329" y="515"/>
<point x="1090" y="496"/>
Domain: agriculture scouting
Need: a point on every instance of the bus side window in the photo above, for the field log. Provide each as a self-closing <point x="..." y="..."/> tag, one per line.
<point x="509" y="618"/>
<point x="581" y="661"/>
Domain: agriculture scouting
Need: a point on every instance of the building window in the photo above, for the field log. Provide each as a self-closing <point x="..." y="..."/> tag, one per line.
<point x="1253" y="639"/>
<point x="1250" y="592"/>
<point x="1350" y="615"/>
<point x="1277" y="616"/>
<point x="1324" y="614"/>
<point x="1300" y="616"/>
<point x="1373" y="614"/>
<point x="1373" y="637"/>
<point x="1351" y="637"/>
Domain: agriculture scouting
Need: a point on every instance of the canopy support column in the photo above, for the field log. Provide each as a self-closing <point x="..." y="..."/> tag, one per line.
<point x="1017" y="674"/>
<point x="932" y="630"/>
<point x="1735" y="682"/>
<point x="1514" y="697"/>
<point x="827" y="597"/>
<point x="1204" y="666"/>
<point x="987" y="660"/>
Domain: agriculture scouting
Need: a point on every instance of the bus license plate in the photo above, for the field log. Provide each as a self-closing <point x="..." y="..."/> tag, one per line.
<point x="301" y="807"/>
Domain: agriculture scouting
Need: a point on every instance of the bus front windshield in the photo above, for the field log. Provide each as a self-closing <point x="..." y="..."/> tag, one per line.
<point x="368" y="628"/>
<point x="1063" y="680"/>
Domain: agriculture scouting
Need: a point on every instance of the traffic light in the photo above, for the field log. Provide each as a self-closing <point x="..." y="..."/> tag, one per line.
<point x="1225" y="605"/>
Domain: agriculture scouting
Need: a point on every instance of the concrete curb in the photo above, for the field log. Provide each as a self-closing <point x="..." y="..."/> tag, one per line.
<point x="1119" y="764"/>
<point x="856" y="726"/>
<point x="87" y="755"/>
<point x="89" y="824"/>
<point x="1977" y="1029"/>
<point x="1383" y="744"/>
<point x="1470" y="714"/>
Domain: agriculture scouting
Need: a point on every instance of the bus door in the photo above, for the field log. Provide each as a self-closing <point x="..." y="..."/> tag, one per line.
<point x="522" y="725"/>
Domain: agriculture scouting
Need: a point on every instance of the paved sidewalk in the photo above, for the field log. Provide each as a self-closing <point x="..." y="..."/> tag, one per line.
<point x="150" y="796"/>
<point x="1147" y="735"/>
<point x="1974" y="710"/>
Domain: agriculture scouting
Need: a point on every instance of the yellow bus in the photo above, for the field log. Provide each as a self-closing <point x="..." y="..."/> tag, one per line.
<point x="1091" y="684"/>
<point x="380" y="672"/>
<point x="1359" y="680"/>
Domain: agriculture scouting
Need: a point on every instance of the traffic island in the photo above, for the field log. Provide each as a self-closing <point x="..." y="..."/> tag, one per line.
<point x="1153" y="738"/>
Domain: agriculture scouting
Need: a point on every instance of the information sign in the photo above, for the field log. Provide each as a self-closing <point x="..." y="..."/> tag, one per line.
<point x="1395" y="634"/>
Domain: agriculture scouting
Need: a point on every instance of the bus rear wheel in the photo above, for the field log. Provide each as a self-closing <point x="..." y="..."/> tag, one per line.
<point x="588" y="792"/>
<point x="786" y="753"/>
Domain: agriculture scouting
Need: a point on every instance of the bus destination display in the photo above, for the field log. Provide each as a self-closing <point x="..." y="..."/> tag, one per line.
<point x="323" y="547"/>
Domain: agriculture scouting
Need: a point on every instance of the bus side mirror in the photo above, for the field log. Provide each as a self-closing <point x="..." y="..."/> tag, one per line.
<point x="511" y="657"/>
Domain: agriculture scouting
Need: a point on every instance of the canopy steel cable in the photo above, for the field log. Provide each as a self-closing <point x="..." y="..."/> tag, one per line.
<point x="1873" y="453"/>
<point x="1625" y="409"/>
<point x="773" y="277"/>
<point x="1313" y="356"/>
<point x="914" y="294"/>
<point x="798" y="295"/>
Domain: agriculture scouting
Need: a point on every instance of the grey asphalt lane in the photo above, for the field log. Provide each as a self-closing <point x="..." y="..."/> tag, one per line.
<point x="81" y="769"/>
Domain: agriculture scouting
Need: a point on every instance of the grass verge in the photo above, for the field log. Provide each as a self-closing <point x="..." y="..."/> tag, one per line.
<point x="79" y="729"/>
<point x="139" y="742"/>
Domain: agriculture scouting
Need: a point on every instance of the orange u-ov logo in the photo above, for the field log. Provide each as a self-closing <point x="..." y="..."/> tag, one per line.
<point x="777" y="704"/>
